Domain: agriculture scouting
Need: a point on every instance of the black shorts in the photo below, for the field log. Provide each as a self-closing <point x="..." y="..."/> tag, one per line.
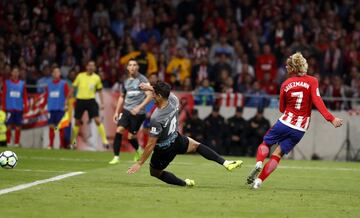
<point x="131" y="122"/>
<point x="89" y="105"/>
<point x="3" y="143"/>
<point x="161" y="158"/>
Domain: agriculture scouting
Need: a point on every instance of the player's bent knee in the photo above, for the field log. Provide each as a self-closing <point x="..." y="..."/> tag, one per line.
<point x="131" y="136"/>
<point x="278" y="152"/>
<point x="193" y="145"/>
<point x="120" y="129"/>
<point x="155" y="173"/>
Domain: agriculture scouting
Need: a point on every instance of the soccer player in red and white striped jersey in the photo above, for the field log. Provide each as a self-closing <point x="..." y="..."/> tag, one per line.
<point x="297" y="95"/>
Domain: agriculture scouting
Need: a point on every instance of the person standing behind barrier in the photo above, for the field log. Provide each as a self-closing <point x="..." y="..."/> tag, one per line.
<point x="215" y="130"/>
<point x="57" y="92"/>
<point x="194" y="126"/>
<point x="87" y="84"/>
<point x="14" y="103"/>
<point x="237" y="130"/>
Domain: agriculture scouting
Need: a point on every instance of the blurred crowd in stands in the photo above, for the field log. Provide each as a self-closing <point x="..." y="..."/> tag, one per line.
<point x="203" y="46"/>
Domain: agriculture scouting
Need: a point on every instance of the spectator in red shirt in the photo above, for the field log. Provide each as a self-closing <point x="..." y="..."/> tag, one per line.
<point x="338" y="90"/>
<point x="217" y="21"/>
<point x="64" y="17"/>
<point x="266" y="63"/>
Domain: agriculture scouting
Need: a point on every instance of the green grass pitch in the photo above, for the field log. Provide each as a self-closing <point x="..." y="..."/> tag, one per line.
<point x="296" y="189"/>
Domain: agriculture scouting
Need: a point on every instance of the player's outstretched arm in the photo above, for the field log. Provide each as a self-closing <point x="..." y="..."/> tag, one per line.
<point x="146" y="87"/>
<point x="319" y="104"/>
<point x="148" y="98"/>
<point x="147" y="152"/>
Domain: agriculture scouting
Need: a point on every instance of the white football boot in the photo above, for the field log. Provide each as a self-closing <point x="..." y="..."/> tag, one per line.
<point x="257" y="183"/>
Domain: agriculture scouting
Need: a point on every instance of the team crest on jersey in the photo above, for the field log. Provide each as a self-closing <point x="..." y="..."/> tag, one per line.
<point x="154" y="130"/>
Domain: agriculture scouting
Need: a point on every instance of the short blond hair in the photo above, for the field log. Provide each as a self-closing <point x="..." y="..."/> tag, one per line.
<point x="297" y="64"/>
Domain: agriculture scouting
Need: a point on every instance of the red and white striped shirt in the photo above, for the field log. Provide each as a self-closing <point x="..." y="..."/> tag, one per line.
<point x="297" y="94"/>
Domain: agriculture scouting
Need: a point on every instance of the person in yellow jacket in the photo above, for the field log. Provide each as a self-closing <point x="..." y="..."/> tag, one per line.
<point x="87" y="84"/>
<point x="146" y="60"/>
<point x="179" y="67"/>
<point x="2" y="128"/>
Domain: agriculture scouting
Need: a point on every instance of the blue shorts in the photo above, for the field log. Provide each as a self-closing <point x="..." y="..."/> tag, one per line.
<point x="14" y="118"/>
<point x="283" y="135"/>
<point x="146" y="123"/>
<point x="55" y="117"/>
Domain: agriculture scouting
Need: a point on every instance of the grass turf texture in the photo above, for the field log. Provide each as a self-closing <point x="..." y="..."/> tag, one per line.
<point x="298" y="189"/>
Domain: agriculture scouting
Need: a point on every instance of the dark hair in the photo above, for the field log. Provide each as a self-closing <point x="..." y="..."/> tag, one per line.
<point x="132" y="59"/>
<point x="162" y="88"/>
<point x="239" y="109"/>
<point x="260" y="110"/>
<point x="216" y="108"/>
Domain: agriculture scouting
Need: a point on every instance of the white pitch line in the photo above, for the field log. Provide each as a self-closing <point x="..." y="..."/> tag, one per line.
<point x="38" y="182"/>
<point x="60" y="158"/>
<point x="41" y="171"/>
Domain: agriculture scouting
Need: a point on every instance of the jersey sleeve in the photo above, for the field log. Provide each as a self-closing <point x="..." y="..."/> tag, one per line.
<point x="99" y="85"/>
<point x="173" y="99"/>
<point x="282" y="102"/>
<point x="318" y="102"/>
<point x="155" y="128"/>
<point x="143" y="79"/>
<point x="123" y="90"/>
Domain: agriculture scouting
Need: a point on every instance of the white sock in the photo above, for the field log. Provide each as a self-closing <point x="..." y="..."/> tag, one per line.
<point x="227" y="162"/>
<point x="259" y="164"/>
<point x="116" y="157"/>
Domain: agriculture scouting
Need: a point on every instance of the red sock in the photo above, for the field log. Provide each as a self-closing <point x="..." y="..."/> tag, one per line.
<point x="262" y="152"/>
<point x="51" y="136"/>
<point x="8" y="136"/>
<point x="62" y="139"/>
<point x="17" y="135"/>
<point x="270" y="166"/>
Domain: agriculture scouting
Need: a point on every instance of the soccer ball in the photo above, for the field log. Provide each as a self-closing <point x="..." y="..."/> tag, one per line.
<point x="8" y="159"/>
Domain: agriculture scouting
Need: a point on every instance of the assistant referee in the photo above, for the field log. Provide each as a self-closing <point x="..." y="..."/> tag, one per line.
<point x="87" y="84"/>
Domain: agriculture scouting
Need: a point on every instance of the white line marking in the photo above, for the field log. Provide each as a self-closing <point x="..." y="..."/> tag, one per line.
<point x="60" y="158"/>
<point x="41" y="171"/>
<point x="38" y="182"/>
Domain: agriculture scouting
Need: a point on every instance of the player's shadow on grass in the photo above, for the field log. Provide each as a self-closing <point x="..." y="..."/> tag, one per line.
<point x="156" y="184"/>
